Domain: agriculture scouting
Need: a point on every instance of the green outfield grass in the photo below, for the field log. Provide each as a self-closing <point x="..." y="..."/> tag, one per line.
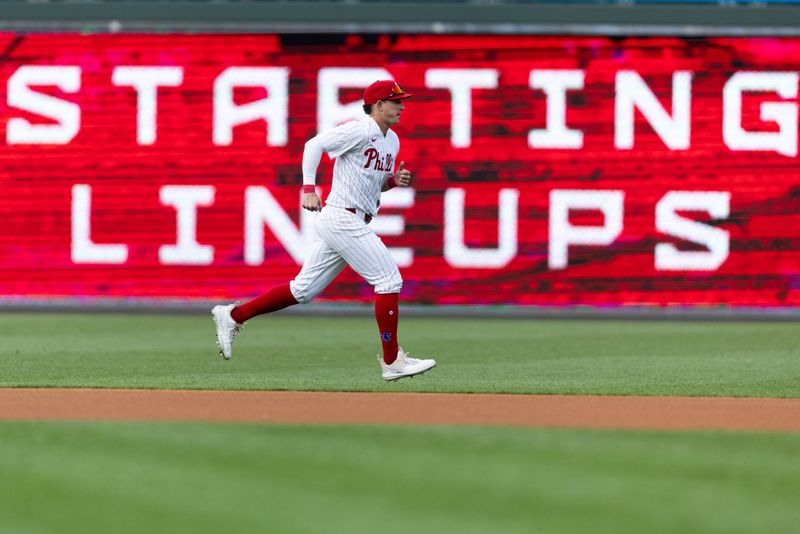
<point x="475" y="355"/>
<point x="68" y="477"/>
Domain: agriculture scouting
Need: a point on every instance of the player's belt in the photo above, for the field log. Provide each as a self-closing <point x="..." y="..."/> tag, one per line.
<point x="367" y="216"/>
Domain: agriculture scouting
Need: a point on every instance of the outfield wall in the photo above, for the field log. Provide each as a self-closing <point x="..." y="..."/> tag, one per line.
<point x="549" y="171"/>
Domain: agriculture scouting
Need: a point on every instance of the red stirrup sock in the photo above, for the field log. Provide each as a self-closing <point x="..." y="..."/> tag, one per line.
<point x="386" y="314"/>
<point x="275" y="299"/>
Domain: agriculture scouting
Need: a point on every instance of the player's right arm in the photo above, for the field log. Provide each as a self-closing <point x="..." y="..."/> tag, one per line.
<point x="335" y="142"/>
<point x="312" y="152"/>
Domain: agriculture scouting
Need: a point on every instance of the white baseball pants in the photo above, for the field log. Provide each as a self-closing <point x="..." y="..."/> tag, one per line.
<point x="343" y="238"/>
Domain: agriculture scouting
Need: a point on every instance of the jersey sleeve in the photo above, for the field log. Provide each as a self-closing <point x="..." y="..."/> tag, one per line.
<point x="396" y="143"/>
<point x="312" y="152"/>
<point x="342" y="138"/>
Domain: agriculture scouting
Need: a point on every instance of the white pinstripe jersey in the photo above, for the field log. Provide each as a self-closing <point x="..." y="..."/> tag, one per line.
<point x="364" y="162"/>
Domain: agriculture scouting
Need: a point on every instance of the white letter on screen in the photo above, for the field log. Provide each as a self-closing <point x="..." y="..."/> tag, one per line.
<point x="399" y="197"/>
<point x="632" y="93"/>
<point x="273" y="109"/>
<point x="716" y="240"/>
<point x="563" y="233"/>
<point x="555" y="84"/>
<point x="146" y="81"/>
<point x="458" y="254"/>
<point x="21" y="96"/>
<point x="460" y="83"/>
<point x="261" y="208"/>
<point x="84" y="250"/>
<point x="330" y="111"/>
<point x="784" y="114"/>
<point x="185" y="199"/>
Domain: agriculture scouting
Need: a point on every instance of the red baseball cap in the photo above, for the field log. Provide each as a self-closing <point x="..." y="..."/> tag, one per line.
<point x="384" y="90"/>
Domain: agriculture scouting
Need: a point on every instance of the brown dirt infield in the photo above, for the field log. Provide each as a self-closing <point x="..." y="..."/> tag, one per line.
<point x="657" y="413"/>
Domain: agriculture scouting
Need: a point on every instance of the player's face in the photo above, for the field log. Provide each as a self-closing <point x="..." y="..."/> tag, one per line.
<point x="390" y="111"/>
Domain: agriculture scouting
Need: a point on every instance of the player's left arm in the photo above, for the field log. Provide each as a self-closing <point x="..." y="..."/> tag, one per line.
<point x="401" y="178"/>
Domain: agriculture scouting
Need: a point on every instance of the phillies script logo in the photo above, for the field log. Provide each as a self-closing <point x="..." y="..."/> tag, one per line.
<point x="379" y="164"/>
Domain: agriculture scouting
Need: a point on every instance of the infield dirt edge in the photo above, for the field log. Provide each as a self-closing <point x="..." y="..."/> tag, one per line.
<point x="606" y="412"/>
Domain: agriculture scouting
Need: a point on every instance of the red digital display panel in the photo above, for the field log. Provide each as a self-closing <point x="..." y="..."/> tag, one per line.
<point x="547" y="170"/>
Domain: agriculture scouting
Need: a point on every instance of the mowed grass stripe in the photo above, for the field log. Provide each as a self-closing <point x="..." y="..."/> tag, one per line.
<point x="606" y="357"/>
<point x="196" y="478"/>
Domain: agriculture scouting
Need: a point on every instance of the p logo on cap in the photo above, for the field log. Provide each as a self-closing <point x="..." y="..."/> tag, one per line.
<point x="384" y="90"/>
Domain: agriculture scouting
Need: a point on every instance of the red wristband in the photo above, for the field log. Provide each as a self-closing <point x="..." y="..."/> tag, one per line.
<point x="309" y="189"/>
<point x="391" y="183"/>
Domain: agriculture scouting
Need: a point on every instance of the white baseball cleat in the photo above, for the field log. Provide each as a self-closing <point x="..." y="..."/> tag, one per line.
<point x="227" y="329"/>
<point x="404" y="366"/>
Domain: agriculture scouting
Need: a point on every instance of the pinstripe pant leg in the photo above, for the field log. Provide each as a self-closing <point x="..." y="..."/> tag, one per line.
<point x="321" y="266"/>
<point x="362" y="249"/>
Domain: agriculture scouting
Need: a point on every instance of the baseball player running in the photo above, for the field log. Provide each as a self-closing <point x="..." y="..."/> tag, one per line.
<point x="365" y="152"/>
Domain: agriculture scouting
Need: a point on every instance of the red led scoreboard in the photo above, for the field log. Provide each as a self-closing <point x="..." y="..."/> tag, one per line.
<point x="547" y="170"/>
